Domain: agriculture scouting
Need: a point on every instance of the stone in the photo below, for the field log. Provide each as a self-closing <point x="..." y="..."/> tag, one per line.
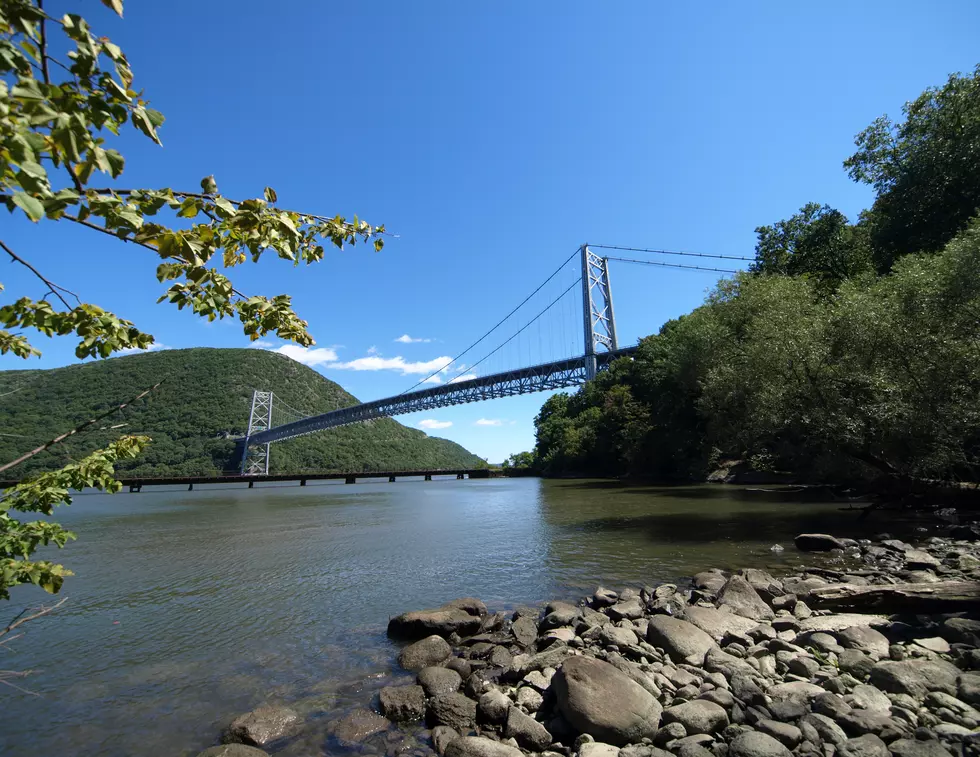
<point x="717" y="623"/>
<point x="864" y="639"/>
<point x="840" y="621"/>
<point x="697" y="716"/>
<point x="455" y="710"/>
<point x="934" y="644"/>
<point x="461" y="616"/>
<point x="560" y="614"/>
<point x="528" y="698"/>
<point x="743" y="599"/>
<point x="962" y="630"/>
<point x="867" y="745"/>
<point x="233" y="750"/>
<point x="539" y="679"/>
<point x="480" y="746"/>
<point x="817" y="543"/>
<point x="630" y="610"/>
<point x="683" y="641"/>
<point x="767" y="587"/>
<point x="438" y="681"/>
<point x="825" y="728"/>
<point x="432" y="650"/>
<point x="598" y="749"/>
<point x="493" y="706"/>
<point x="403" y="703"/>
<point x="830" y="705"/>
<point x="803" y="666"/>
<point x="552" y="657"/>
<point x="915" y="677"/>
<point x="756" y="744"/>
<point x="795" y="690"/>
<point x="916" y="559"/>
<point x="461" y="666"/>
<point x="598" y="699"/>
<point x="262" y="726"/>
<point x="916" y="748"/>
<point x="869" y="698"/>
<point x="524" y="631"/>
<point x="720" y="697"/>
<point x="604" y="597"/>
<point x="360" y="725"/>
<point x="615" y="636"/>
<point x="528" y="732"/>
<point x="855" y="662"/>
<point x="709" y="581"/>
<point x="786" y="733"/>
<point x="442" y="735"/>
<point x="968" y="688"/>
<point x="859" y="722"/>
<point x="717" y="661"/>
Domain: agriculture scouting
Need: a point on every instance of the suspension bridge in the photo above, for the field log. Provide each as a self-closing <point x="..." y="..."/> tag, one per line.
<point x="582" y="280"/>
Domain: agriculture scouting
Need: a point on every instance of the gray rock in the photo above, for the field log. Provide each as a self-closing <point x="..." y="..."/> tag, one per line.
<point x="786" y="733"/>
<point x="916" y="559"/>
<point x="721" y="697"/>
<point x="462" y="616"/>
<point x="817" y="543"/>
<point x="461" y="666"/>
<point x="840" y="621"/>
<point x="480" y="746"/>
<point x="233" y="750"/>
<point x="717" y="623"/>
<point x="597" y="749"/>
<point x="442" y="735"/>
<point x="915" y="677"/>
<point x="697" y="716"/>
<point x="825" y="728"/>
<point x="359" y="725"/>
<point x="438" y="681"/>
<point x="604" y="702"/>
<point x="455" y="710"/>
<point x="403" y="703"/>
<point x="831" y="705"/>
<point x="738" y="594"/>
<point x="934" y="644"/>
<point x="717" y="661"/>
<point x="552" y="657"/>
<point x="869" y="698"/>
<point x="796" y="690"/>
<point x="539" y="679"/>
<point x="803" y="666"/>
<point x="864" y="639"/>
<point x="709" y="581"/>
<point x="961" y="630"/>
<point x="525" y="631"/>
<point x="756" y="744"/>
<point x="262" y="726"/>
<point x="560" y="614"/>
<point x="867" y="745"/>
<point x="604" y="597"/>
<point x="528" y="732"/>
<point x="432" y="650"/>
<point x="615" y="636"/>
<point x="493" y="706"/>
<point x="860" y="722"/>
<point x="916" y="748"/>
<point x="630" y="610"/>
<point x="768" y="587"/>
<point x="968" y="688"/>
<point x="528" y="698"/>
<point x="683" y="641"/>
<point x="855" y="662"/>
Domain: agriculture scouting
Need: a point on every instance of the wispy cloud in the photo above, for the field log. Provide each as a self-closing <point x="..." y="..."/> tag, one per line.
<point x="489" y="422"/>
<point x="464" y="377"/>
<point x="155" y="347"/>
<point x="398" y="363"/>
<point x="431" y="423"/>
<point x="372" y="350"/>
<point x="406" y="339"/>
<point x="308" y="355"/>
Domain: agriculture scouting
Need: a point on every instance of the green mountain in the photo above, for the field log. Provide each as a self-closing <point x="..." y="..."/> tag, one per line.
<point x="195" y="415"/>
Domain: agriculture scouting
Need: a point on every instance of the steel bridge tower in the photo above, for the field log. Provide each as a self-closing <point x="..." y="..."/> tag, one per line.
<point x="255" y="457"/>
<point x="597" y="308"/>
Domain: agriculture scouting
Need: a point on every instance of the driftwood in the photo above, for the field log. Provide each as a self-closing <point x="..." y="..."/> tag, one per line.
<point x="945" y="596"/>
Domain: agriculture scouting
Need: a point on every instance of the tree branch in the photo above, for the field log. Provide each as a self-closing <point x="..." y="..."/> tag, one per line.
<point x="77" y="430"/>
<point x="53" y="288"/>
<point x="19" y="621"/>
<point x="43" y="46"/>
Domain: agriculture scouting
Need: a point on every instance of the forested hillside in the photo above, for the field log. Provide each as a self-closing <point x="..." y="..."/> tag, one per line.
<point x="848" y="351"/>
<point x="203" y="401"/>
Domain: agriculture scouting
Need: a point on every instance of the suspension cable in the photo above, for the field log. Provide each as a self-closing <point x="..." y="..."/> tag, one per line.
<point x="672" y="265"/>
<point x="670" y="252"/>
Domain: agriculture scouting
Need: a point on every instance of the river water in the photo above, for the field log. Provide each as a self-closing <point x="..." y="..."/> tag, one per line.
<point x="188" y="608"/>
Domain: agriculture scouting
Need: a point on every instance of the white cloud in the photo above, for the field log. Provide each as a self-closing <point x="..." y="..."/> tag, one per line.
<point x="137" y="351"/>
<point x="431" y="423"/>
<point x="308" y="355"/>
<point x="372" y="350"/>
<point x="489" y="422"/>
<point x="261" y="345"/>
<point x="405" y="367"/>
<point x="406" y="339"/>
<point x="434" y="379"/>
<point x="464" y="377"/>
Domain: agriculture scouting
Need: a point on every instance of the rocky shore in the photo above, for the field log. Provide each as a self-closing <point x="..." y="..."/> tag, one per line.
<point x="872" y="651"/>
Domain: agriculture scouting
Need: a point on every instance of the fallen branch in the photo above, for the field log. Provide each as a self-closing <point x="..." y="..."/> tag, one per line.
<point x="19" y="620"/>
<point x="918" y="598"/>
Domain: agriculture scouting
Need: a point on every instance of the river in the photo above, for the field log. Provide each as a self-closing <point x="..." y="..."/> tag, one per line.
<point x="188" y="608"/>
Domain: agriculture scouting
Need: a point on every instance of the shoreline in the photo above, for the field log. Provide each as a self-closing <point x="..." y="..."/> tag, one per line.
<point x="738" y="665"/>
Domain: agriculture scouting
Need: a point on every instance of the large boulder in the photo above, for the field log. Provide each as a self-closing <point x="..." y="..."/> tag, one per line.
<point x="683" y="641"/>
<point x="716" y="623"/>
<point x="433" y="650"/>
<point x="616" y="636"/>
<point x="262" y="726"/>
<point x="697" y="716"/>
<point x="604" y="702"/>
<point x="864" y="639"/>
<point x="756" y="744"/>
<point x="738" y="594"/>
<point x="233" y="750"/>
<point x="360" y="725"/>
<point x="480" y="746"/>
<point x="436" y="681"/>
<point x="403" y="703"/>
<point x="915" y="677"/>
<point x="462" y="616"/>
<point x="456" y="710"/>
<point x="817" y="543"/>
<point x="768" y="587"/>
<point x="493" y="706"/>
<point x="528" y="732"/>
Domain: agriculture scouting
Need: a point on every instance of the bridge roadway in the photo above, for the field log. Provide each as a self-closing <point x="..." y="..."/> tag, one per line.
<point x="537" y="378"/>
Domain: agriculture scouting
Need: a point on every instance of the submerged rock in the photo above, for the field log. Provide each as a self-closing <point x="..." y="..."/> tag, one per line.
<point x="233" y="750"/>
<point x="480" y="746"/>
<point x="817" y="543"/>
<point x="360" y="725"/>
<point x="262" y="726"/>
<point x="462" y="616"/>
<point x="403" y="703"/>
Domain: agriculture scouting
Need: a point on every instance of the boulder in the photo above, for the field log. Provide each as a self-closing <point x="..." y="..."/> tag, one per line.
<point x="916" y="559"/>
<point x="403" y="703"/>
<point x="756" y="744"/>
<point x="616" y="636"/>
<point x="529" y="698"/>
<point x="917" y="748"/>
<point x="915" y="677"/>
<point x="767" y="587"/>
<point x="786" y="733"/>
<point x="552" y="657"/>
<point x="527" y="731"/>
<point x="867" y="745"/>
<point x="630" y="610"/>
<point x="968" y="688"/>
<point x="480" y="746"/>
<point x="525" y="631"/>
<point x="436" y="681"/>
<point x="360" y="725"/>
<point x="738" y="594"/>
<point x="869" y="698"/>
<point x="603" y="597"/>
<point x="493" y="706"/>
<point x="716" y="623"/>
<point x="697" y="716"/>
<point x="598" y="749"/>
<point x="442" y="736"/>
<point x="864" y="639"/>
<point x="840" y="621"/>
<point x="597" y="699"/>
<point x="433" y="650"/>
<point x="461" y="616"/>
<point x="860" y="722"/>
<point x="456" y="710"/>
<point x="262" y="726"/>
<point x="683" y="641"/>
<point x="233" y="750"/>
<point x="709" y="581"/>
<point x="817" y="543"/>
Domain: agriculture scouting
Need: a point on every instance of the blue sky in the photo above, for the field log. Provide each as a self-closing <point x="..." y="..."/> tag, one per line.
<point x="493" y="139"/>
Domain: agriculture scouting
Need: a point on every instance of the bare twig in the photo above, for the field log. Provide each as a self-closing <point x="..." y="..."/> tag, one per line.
<point x="6" y="675"/>
<point x="53" y="288"/>
<point x="43" y="47"/>
<point x="76" y="430"/>
<point x="19" y="620"/>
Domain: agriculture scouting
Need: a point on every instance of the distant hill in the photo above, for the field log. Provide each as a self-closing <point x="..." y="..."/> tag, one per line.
<point x="204" y="400"/>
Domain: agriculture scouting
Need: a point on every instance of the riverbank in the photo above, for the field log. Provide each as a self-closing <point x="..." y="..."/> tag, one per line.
<point x="739" y="665"/>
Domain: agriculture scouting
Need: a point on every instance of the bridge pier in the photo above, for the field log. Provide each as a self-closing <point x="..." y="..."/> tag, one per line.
<point x="350" y="480"/>
<point x="302" y="482"/>
<point x="460" y="476"/>
<point x="428" y="476"/>
<point x="391" y="479"/>
<point x="135" y="488"/>
<point x="251" y="484"/>
<point x="190" y="487"/>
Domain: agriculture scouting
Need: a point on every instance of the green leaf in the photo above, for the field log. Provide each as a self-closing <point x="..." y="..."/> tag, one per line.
<point x="116" y="5"/>
<point x="116" y="162"/>
<point x="189" y="208"/>
<point x="270" y="195"/>
<point x="27" y="89"/>
<point x="30" y="205"/>
<point x="224" y="205"/>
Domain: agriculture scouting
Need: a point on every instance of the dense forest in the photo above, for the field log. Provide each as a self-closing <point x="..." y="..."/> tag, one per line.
<point x="192" y="417"/>
<point x="848" y="351"/>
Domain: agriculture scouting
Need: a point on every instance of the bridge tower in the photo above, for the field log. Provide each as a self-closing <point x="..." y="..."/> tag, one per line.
<point x="597" y="307"/>
<point x="255" y="457"/>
